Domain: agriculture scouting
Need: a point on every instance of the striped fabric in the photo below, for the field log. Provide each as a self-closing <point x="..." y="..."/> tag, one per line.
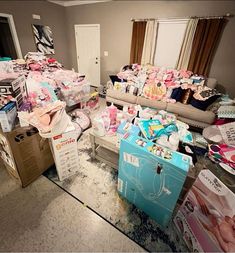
<point x="226" y="111"/>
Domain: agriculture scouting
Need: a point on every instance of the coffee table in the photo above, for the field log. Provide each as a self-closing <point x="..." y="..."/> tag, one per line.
<point x="105" y="149"/>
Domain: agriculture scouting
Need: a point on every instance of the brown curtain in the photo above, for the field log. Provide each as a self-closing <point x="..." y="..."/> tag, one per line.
<point x="205" y="42"/>
<point x="137" y="41"/>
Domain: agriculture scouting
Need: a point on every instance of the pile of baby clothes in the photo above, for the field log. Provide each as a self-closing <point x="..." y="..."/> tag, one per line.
<point x="46" y="78"/>
<point x="170" y="85"/>
<point x="47" y="83"/>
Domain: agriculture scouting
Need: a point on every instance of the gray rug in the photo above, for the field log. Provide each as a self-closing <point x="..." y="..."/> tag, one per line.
<point x="96" y="186"/>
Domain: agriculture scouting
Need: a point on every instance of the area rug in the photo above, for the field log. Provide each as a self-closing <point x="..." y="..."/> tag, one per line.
<point x="96" y="187"/>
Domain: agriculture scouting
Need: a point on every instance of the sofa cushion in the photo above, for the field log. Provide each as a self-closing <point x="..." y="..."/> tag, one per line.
<point x="116" y="101"/>
<point x="151" y="103"/>
<point x="129" y="98"/>
<point x="188" y="111"/>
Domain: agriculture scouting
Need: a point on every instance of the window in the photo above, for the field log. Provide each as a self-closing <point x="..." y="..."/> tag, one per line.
<point x="169" y="40"/>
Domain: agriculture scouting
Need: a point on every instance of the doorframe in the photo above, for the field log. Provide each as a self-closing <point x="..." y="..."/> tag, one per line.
<point x="13" y="33"/>
<point x="75" y="32"/>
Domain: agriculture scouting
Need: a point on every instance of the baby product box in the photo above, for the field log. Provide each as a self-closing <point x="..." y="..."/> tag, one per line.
<point x="151" y="176"/>
<point x="206" y="219"/>
<point x="26" y="155"/>
<point x="64" y="147"/>
<point x="125" y="127"/>
<point x="15" y="87"/>
<point x="7" y="116"/>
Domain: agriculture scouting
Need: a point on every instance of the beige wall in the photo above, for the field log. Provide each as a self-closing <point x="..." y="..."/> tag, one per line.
<point x="51" y="14"/>
<point x="116" y="27"/>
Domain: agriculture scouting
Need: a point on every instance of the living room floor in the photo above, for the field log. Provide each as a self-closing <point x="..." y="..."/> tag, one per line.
<point x="42" y="217"/>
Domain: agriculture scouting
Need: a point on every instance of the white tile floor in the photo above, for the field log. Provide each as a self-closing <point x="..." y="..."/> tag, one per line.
<point x="44" y="218"/>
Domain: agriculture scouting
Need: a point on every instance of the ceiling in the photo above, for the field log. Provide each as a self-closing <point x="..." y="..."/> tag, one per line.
<point x="66" y="3"/>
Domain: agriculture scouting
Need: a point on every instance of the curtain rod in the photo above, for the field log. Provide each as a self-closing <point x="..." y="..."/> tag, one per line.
<point x="227" y="15"/>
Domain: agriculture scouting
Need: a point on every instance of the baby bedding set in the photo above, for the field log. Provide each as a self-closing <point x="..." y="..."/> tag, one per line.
<point x="162" y="84"/>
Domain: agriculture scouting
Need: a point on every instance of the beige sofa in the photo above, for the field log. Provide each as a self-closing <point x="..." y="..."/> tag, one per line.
<point x="186" y="113"/>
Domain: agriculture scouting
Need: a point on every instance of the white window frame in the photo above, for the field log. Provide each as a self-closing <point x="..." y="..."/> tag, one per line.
<point x="13" y="33"/>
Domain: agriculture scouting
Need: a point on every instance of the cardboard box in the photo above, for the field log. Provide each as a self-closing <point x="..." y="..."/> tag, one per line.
<point x="65" y="152"/>
<point x="206" y="217"/>
<point x="8" y="115"/>
<point x="25" y="154"/>
<point x="151" y="176"/>
<point x="16" y="87"/>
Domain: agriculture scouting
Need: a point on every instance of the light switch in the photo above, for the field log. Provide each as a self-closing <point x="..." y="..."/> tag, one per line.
<point x="106" y="53"/>
<point x="35" y="16"/>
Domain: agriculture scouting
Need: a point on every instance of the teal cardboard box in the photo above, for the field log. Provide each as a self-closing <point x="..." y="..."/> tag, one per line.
<point x="151" y="176"/>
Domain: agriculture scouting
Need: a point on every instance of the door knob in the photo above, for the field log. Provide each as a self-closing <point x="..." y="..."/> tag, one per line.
<point x="96" y="62"/>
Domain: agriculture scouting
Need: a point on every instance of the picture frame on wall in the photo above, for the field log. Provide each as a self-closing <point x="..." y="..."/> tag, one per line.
<point x="44" y="39"/>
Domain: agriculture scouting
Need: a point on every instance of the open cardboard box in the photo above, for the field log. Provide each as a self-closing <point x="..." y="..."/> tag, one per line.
<point x="25" y="153"/>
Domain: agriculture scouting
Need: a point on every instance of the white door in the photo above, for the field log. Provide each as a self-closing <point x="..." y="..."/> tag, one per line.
<point x="88" y="52"/>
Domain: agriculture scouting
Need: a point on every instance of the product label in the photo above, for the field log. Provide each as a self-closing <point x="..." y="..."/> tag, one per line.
<point x="64" y="143"/>
<point x="213" y="183"/>
<point x="57" y="137"/>
<point x="133" y="160"/>
<point x="120" y="185"/>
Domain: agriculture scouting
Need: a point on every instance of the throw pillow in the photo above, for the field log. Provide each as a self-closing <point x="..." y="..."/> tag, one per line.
<point x="177" y="93"/>
<point x="115" y="78"/>
<point x="202" y="105"/>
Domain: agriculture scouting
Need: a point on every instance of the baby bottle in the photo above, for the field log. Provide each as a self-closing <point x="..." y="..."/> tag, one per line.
<point x="112" y="109"/>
